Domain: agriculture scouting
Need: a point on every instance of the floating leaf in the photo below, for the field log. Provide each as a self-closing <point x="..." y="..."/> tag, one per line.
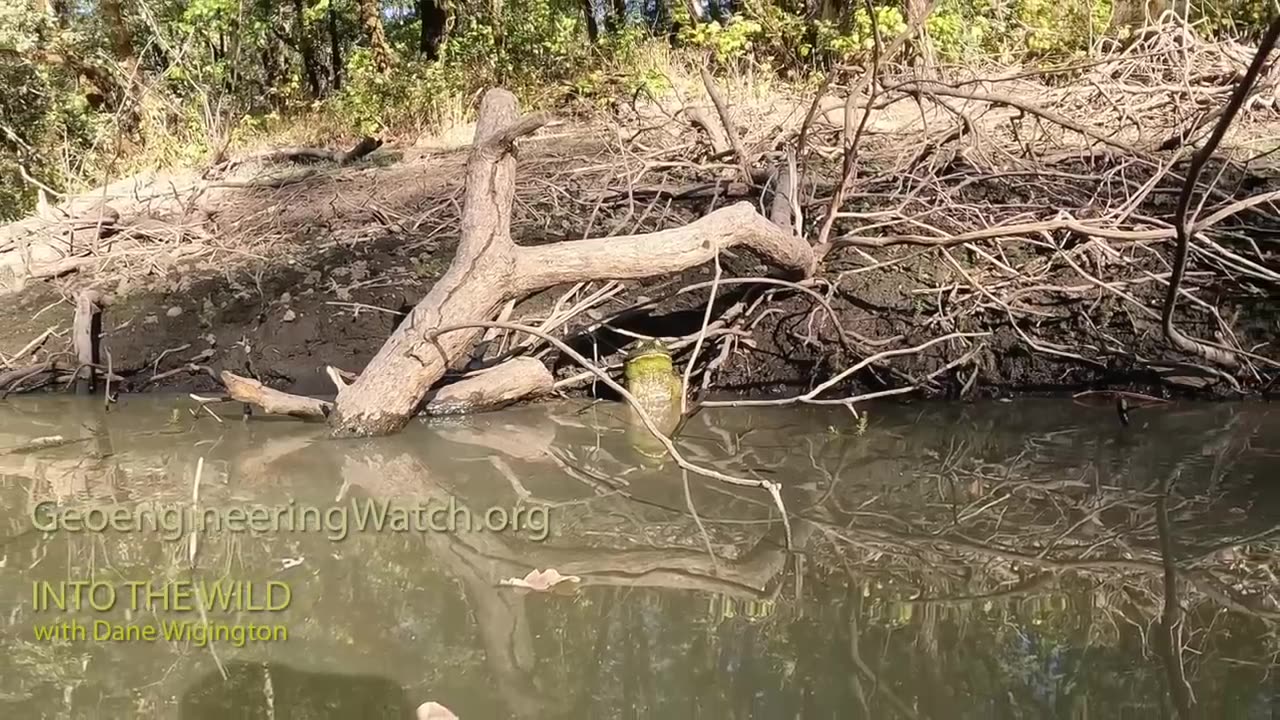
<point x="435" y="711"/>
<point x="541" y="580"/>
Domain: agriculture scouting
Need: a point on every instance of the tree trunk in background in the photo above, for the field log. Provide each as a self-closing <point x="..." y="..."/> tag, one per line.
<point x="121" y="42"/>
<point x="62" y="11"/>
<point x="62" y="8"/>
<point x="1134" y="14"/>
<point x="307" y="49"/>
<point x="917" y="11"/>
<point x="715" y="11"/>
<point x="270" y="56"/>
<point x="497" y="10"/>
<point x="234" y="71"/>
<point x="335" y="49"/>
<point x="660" y="21"/>
<point x="433" y="16"/>
<point x="589" y="11"/>
<point x="695" y="14"/>
<point x="831" y="11"/>
<point x="371" y="19"/>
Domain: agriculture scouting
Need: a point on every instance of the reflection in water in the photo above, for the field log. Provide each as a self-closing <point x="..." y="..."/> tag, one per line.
<point x="263" y="690"/>
<point x="1032" y="559"/>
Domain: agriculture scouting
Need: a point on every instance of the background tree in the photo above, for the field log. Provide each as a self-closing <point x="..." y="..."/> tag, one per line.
<point x="335" y="45"/>
<point x="306" y="48"/>
<point x="589" y="15"/>
<point x="121" y="39"/>
<point x="917" y="11"/>
<point x="432" y="17"/>
<point x="371" y="19"/>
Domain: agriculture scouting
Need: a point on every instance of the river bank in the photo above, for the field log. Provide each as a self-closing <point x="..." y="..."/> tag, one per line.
<point x="973" y="253"/>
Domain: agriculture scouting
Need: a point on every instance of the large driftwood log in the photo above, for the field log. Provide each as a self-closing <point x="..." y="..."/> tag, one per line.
<point x="273" y="401"/>
<point x="489" y="269"/>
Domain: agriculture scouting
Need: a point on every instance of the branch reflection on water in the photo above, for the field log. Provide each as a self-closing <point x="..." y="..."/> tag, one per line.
<point x="1025" y="560"/>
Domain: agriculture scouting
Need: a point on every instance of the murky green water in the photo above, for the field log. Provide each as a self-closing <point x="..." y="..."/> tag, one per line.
<point x="1026" y="560"/>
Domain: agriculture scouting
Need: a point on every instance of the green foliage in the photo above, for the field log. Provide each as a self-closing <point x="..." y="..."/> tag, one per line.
<point x="540" y="46"/>
<point x="536" y="42"/>
<point x="44" y="122"/>
<point x="213" y="73"/>
<point x="794" y="40"/>
<point x="960" y="30"/>
<point x="543" y="40"/>
<point x="725" y="42"/>
<point x="632" y="50"/>
<point x="1233" y="18"/>
<point x="21" y="29"/>
<point x="859" y="37"/>
<point x="1057" y="28"/>
<point x="418" y="94"/>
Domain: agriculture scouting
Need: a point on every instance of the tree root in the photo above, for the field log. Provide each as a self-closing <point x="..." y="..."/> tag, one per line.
<point x="1213" y="353"/>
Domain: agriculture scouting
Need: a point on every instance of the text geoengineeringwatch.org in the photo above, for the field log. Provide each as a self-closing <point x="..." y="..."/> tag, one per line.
<point x="173" y="521"/>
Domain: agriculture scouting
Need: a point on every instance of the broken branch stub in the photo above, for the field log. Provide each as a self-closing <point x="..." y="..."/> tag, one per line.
<point x="87" y="326"/>
<point x="489" y="269"/>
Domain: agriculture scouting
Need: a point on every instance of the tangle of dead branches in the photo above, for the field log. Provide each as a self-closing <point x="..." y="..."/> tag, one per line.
<point x="1181" y="220"/>
<point x="1038" y="199"/>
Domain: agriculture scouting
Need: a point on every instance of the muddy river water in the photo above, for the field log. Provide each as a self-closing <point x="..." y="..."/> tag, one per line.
<point x="1030" y="559"/>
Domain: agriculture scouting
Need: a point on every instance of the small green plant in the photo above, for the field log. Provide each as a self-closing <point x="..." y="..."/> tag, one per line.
<point x="960" y="30"/>
<point x="726" y="42"/>
<point x="1233" y="18"/>
<point x="1053" y="29"/>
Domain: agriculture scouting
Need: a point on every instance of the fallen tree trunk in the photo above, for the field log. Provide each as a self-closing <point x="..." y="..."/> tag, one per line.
<point x="308" y="154"/>
<point x="489" y="269"/>
<point x="498" y="387"/>
<point x="273" y="401"/>
<point x="715" y="136"/>
<point x="10" y="378"/>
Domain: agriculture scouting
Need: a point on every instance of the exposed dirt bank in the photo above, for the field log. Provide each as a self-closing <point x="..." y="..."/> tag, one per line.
<point x="351" y="251"/>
